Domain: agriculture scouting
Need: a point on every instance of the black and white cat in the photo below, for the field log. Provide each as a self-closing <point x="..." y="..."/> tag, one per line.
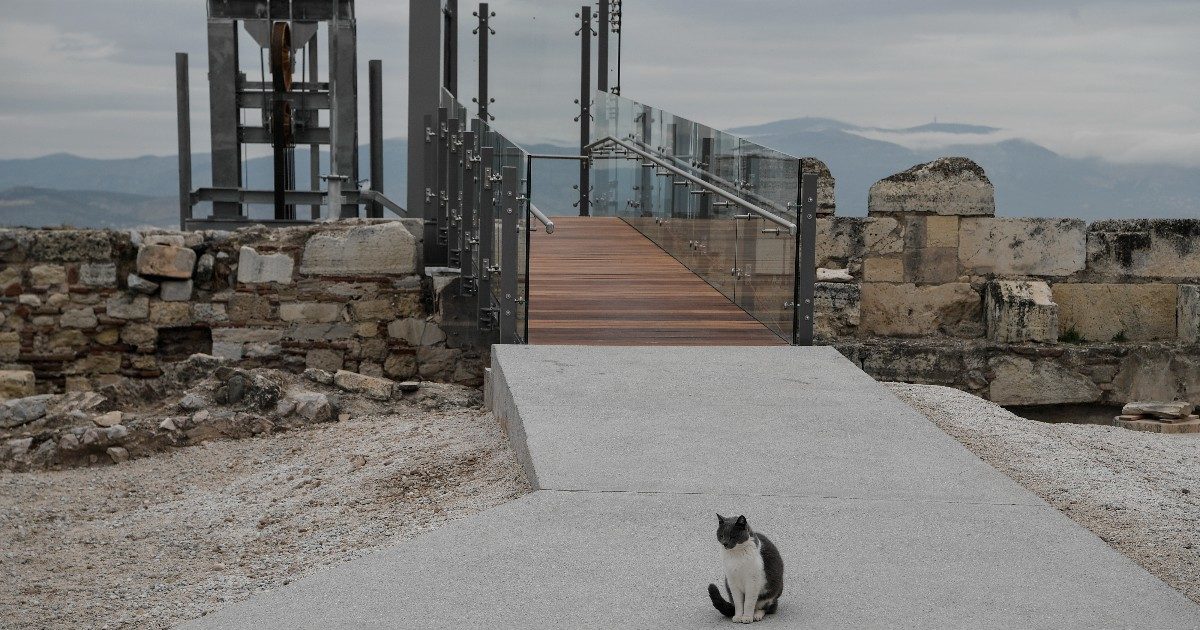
<point x="753" y="572"/>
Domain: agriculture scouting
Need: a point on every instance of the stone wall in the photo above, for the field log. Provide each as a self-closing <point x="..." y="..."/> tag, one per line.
<point x="1019" y="310"/>
<point x="83" y="308"/>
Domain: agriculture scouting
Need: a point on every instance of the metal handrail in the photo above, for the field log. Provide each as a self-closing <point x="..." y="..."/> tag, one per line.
<point x="657" y="160"/>
<point x="537" y="214"/>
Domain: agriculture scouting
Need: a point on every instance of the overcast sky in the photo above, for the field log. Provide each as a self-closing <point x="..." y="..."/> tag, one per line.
<point x="1119" y="80"/>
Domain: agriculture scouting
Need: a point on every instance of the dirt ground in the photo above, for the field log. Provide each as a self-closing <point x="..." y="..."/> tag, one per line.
<point x="1138" y="491"/>
<point x="161" y="539"/>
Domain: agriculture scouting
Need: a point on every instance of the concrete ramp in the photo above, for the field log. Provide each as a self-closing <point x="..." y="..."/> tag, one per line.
<point x="883" y="520"/>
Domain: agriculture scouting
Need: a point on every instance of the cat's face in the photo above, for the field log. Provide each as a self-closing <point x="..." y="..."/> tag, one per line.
<point x="732" y="531"/>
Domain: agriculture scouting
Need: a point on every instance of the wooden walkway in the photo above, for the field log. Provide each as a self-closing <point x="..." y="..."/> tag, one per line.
<point x="598" y="281"/>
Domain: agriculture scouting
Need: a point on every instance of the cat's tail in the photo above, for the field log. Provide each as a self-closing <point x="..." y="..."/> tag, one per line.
<point x="722" y="606"/>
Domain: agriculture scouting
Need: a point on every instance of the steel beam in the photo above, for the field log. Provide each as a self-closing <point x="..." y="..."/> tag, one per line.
<point x="487" y="228"/>
<point x="450" y="47"/>
<point x="602" y="48"/>
<point x="509" y="233"/>
<point x="470" y="197"/>
<point x="299" y="10"/>
<point x="223" y="111"/>
<point x="429" y="197"/>
<point x="454" y="189"/>
<point x="483" y="29"/>
<point x="806" y="260"/>
<point x="585" y="109"/>
<point x="183" y="111"/>
<point x="343" y="117"/>
<point x="314" y="149"/>
<point x="424" y="83"/>
<point x="375" y="87"/>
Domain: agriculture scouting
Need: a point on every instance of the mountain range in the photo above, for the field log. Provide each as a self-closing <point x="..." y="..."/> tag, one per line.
<point x="1030" y="180"/>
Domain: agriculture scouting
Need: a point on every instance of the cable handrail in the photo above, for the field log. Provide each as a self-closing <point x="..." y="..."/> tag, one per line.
<point x="770" y="216"/>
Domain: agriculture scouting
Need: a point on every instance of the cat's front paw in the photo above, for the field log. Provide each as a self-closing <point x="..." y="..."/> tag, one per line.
<point x="743" y="619"/>
<point x="759" y="614"/>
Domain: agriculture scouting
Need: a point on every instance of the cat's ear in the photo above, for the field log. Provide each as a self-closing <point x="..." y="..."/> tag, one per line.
<point x="720" y="519"/>
<point x="741" y="520"/>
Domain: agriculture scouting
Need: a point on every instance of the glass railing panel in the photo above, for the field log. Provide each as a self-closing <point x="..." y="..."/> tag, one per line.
<point x="745" y="256"/>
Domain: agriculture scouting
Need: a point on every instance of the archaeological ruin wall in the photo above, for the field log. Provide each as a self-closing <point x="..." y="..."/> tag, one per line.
<point x="1021" y="311"/>
<point x="81" y="309"/>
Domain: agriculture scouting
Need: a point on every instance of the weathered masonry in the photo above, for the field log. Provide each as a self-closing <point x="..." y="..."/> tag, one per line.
<point x="84" y="308"/>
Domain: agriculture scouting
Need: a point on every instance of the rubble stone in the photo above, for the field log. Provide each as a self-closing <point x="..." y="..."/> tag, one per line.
<point x="44" y="276"/>
<point x="1187" y="313"/>
<point x="380" y="249"/>
<point x="369" y="386"/>
<point x="176" y="290"/>
<point x="254" y="267"/>
<point x="166" y="261"/>
<point x="79" y="318"/>
<point x="416" y="331"/>
<point x="16" y="384"/>
<point x="128" y="307"/>
<point x="10" y="346"/>
<point x="138" y="284"/>
<point x="320" y="312"/>
<point x="98" y="274"/>
<point x="1154" y="409"/>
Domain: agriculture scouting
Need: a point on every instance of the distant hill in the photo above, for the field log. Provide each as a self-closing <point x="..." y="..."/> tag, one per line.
<point x="41" y="207"/>
<point x="1030" y="179"/>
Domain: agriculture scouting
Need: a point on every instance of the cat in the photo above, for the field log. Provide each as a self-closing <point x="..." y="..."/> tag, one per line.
<point x="753" y="572"/>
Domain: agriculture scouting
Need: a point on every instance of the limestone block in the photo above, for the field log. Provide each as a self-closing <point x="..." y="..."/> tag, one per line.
<point x="254" y="267"/>
<point x="1022" y="247"/>
<point x="324" y="359"/>
<point x="438" y="363"/>
<point x="98" y="274"/>
<point x="908" y="310"/>
<point x="261" y="350"/>
<point x="1159" y="409"/>
<point x="164" y="314"/>
<point x="372" y="310"/>
<point x="1020" y="381"/>
<point x="946" y="186"/>
<point x="370" y="386"/>
<point x="416" y="331"/>
<point x="321" y="312"/>
<point x="883" y="269"/>
<point x="1108" y="312"/>
<point x="400" y="365"/>
<point x="139" y="335"/>
<point x="1188" y="313"/>
<point x="174" y="240"/>
<point x="320" y="332"/>
<point x="1148" y="374"/>
<point x="836" y="306"/>
<point x="841" y="240"/>
<point x="138" y="284"/>
<point x="1017" y="311"/>
<point x="128" y="307"/>
<point x="16" y="384"/>
<point x="380" y="249"/>
<point x="71" y="246"/>
<point x="166" y="261"/>
<point x="79" y="318"/>
<point x="176" y="290"/>
<point x="10" y="346"/>
<point x="247" y="335"/>
<point x="10" y="281"/>
<point x="227" y="349"/>
<point x="1145" y="248"/>
<point x="44" y="276"/>
<point x="209" y="312"/>
<point x="243" y="307"/>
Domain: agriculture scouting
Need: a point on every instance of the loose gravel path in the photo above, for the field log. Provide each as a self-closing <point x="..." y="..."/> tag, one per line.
<point x="155" y="541"/>
<point x="1138" y="491"/>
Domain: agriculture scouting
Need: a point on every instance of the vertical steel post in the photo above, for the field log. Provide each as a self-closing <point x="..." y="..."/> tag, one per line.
<point x="528" y="236"/>
<point x="223" y="85"/>
<point x="646" y="182"/>
<point x="806" y="259"/>
<point x="443" y="179"/>
<point x="487" y="227"/>
<point x="430" y="197"/>
<point x="314" y="150"/>
<point x="585" y="109"/>
<point x="454" y="192"/>
<point x="450" y="47"/>
<point x="183" y="111"/>
<point x="602" y="48"/>
<point x="343" y="113"/>
<point x="375" y="86"/>
<point x="424" y="85"/>
<point x="484" y="29"/>
<point x="509" y="224"/>
<point x="470" y="197"/>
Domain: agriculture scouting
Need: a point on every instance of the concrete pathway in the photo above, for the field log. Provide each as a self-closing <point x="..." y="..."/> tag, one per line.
<point x="882" y="519"/>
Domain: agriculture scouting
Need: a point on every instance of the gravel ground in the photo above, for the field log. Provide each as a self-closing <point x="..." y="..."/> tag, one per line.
<point x="1138" y="491"/>
<point x="159" y="540"/>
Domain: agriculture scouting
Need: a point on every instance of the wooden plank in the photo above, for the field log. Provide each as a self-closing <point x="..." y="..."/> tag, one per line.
<point x="598" y="281"/>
